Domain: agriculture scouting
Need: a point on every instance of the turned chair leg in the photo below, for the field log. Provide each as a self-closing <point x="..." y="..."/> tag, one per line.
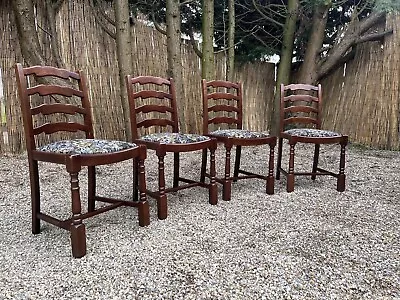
<point x="203" y="165"/>
<point x="290" y="175"/>
<point x="315" y="162"/>
<point x="227" y="182"/>
<point x="77" y="228"/>
<point x="341" y="180"/>
<point x="270" y="177"/>
<point x="213" y="189"/>
<point x="143" y="205"/>
<point x="162" y="197"/>
<point x="279" y="159"/>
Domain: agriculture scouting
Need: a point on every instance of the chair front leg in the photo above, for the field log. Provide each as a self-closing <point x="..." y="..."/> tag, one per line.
<point x="290" y="176"/>
<point x="162" y="197"/>
<point x="91" y="188"/>
<point x="35" y="195"/>
<point x="227" y="181"/>
<point x="270" y="176"/>
<point x="213" y="189"/>
<point x="77" y="228"/>
<point x="341" y="180"/>
<point x="143" y="205"/>
<point x="315" y="162"/>
<point x="237" y="162"/>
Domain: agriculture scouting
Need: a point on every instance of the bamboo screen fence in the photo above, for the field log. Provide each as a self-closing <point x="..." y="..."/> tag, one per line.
<point x="363" y="103"/>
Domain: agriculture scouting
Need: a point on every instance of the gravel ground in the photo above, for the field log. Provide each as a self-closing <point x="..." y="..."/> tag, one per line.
<point x="314" y="243"/>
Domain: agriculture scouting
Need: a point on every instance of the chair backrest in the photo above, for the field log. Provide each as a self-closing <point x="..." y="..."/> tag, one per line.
<point x="152" y="102"/>
<point x="300" y="106"/>
<point x="222" y="105"/>
<point x="54" y="104"/>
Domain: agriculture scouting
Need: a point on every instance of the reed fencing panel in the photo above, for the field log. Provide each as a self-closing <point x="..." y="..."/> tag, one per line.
<point x="361" y="99"/>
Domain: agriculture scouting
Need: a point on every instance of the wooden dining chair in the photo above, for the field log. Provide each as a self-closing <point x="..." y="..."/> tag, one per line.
<point x="300" y="122"/>
<point x="154" y="121"/>
<point x="223" y="120"/>
<point x="58" y="128"/>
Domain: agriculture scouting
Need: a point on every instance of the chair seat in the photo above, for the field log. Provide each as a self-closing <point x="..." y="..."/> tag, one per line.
<point x="174" y="138"/>
<point x="310" y="132"/>
<point x="86" y="146"/>
<point x="239" y="133"/>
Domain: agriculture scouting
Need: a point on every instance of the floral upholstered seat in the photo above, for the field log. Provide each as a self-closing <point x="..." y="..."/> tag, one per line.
<point x="86" y="146"/>
<point x="174" y="138"/>
<point x="239" y="133"/>
<point x="310" y="132"/>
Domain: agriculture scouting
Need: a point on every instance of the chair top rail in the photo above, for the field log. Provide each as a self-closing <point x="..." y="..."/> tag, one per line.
<point x="300" y="86"/>
<point x="42" y="71"/>
<point x="222" y="83"/>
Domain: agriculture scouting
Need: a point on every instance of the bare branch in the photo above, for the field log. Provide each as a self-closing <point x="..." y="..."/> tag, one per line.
<point x="194" y="45"/>
<point x="102" y="21"/>
<point x="373" y="36"/>
<point x="157" y="25"/>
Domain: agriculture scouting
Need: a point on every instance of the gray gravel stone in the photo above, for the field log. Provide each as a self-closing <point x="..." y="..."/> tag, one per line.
<point x="314" y="243"/>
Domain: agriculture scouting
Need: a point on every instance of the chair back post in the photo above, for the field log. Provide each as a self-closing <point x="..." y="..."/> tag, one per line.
<point x="25" y="107"/>
<point x="132" y="112"/>
<point x="205" y="105"/>
<point x="319" y="107"/>
<point x="282" y="110"/>
<point x="240" y="104"/>
<point x="87" y="117"/>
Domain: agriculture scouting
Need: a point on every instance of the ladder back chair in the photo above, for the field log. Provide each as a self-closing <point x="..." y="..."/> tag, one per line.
<point x="300" y="122"/>
<point x="154" y="120"/>
<point x="58" y="128"/>
<point x="223" y="120"/>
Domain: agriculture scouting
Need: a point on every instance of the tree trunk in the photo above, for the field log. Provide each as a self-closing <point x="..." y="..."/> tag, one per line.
<point x="124" y="55"/>
<point x="174" y="54"/>
<point x="308" y="70"/>
<point x="285" y="62"/>
<point x="27" y="34"/>
<point x="230" y="59"/>
<point x="207" y="71"/>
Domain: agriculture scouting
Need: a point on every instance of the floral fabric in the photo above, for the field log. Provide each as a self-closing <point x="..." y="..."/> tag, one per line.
<point x="309" y="132"/>
<point x="174" y="138"/>
<point x="239" y="133"/>
<point x="86" y="146"/>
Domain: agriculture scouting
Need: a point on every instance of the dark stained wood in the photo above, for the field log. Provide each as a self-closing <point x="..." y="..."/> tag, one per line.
<point x="231" y="115"/>
<point x="74" y="163"/>
<point x="157" y="92"/>
<point x="300" y="107"/>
